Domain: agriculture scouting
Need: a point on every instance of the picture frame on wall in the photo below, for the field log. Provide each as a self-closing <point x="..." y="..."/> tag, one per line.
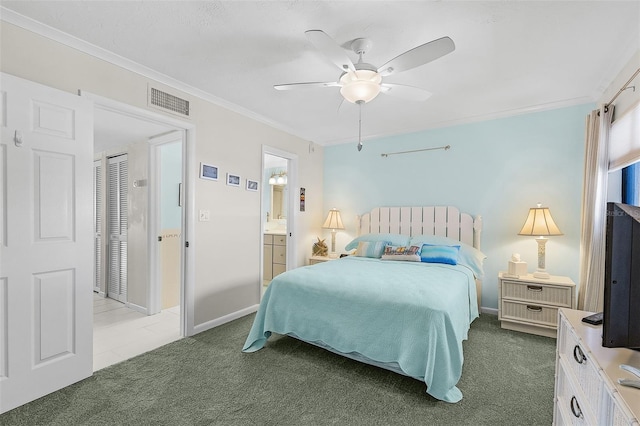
<point x="233" y="180"/>
<point x="208" y="171"/>
<point x="252" y="185"/>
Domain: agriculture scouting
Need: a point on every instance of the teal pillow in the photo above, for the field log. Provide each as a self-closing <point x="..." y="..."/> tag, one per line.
<point x="439" y="254"/>
<point x="393" y="239"/>
<point x="468" y="256"/>
<point x="371" y="249"/>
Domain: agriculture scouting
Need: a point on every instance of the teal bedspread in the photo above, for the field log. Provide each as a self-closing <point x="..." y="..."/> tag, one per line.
<point x="410" y="314"/>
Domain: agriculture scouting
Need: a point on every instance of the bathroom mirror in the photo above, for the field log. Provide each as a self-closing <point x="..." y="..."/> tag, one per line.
<point x="278" y="200"/>
<point x="275" y="193"/>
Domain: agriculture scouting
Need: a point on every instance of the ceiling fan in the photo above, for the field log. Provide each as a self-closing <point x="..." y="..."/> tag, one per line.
<point x="361" y="82"/>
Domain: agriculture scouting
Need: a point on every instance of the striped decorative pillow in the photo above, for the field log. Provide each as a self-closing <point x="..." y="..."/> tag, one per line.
<point x="371" y="249"/>
<point x="411" y="253"/>
<point x="439" y="254"/>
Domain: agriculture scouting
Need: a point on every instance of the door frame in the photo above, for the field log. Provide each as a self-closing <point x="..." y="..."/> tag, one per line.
<point x="187" y="287"/>
<point x="292" y="182"/>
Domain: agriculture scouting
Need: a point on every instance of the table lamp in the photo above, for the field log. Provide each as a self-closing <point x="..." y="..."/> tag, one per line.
<point x="333" y="222"/>
<point x="539" y="223"/>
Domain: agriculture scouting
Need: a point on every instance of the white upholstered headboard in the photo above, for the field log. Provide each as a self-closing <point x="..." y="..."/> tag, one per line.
<point x="444" y="221"/>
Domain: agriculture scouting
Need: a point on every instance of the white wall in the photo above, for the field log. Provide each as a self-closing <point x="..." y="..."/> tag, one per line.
<point x="227" y="249"/>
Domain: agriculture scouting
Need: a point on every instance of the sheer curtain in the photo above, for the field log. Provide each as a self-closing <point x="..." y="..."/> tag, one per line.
<point x="594" y="200"/>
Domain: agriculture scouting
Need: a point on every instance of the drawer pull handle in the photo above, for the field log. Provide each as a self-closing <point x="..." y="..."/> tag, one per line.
<point x="534" y="308"/>
<point x="578" y="355"/>
<point x="535" y="288"/>
<point x="575" y="407"/>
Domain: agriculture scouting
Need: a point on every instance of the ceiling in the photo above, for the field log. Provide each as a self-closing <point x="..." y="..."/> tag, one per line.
<point x="511" y="57"/>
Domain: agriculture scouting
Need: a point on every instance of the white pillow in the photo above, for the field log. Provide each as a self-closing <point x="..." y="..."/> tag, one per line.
<point x="370" y="249"/>
<point x="394" y="239"/>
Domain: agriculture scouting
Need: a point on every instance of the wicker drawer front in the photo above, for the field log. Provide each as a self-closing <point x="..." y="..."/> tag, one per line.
<point x="530" y="292"/>
<point x="577" y="360"/>
<point x="574" y="409"/>
<point x="538" y="314"/>
<point x="619" y="415"/>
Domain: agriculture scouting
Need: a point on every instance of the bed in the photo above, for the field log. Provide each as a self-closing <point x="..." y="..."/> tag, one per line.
<point x="397" y="313"/>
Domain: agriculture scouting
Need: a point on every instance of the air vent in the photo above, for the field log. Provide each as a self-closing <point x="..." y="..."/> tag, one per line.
<point x="168" y="102"/>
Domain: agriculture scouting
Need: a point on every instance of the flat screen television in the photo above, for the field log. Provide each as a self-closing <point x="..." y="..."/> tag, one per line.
<point x="621" y="310"/>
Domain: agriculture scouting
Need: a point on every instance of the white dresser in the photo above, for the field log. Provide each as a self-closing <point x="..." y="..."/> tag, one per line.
<point x="531" y="304"/>
<point x="586" y="389"/>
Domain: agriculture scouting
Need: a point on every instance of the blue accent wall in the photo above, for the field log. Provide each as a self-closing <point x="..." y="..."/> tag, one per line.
<point x="497" y="169"/>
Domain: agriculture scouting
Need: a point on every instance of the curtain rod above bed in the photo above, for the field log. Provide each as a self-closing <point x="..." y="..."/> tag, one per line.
<point x="622" y="89"/>
<point x="446" y="148"/>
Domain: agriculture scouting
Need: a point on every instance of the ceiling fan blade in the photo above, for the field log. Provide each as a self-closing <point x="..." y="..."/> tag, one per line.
<point x="292" y="86"/>
<point x="331" y="49"/>
<point x="417" y="56"/>
<point x="405" y="92"/>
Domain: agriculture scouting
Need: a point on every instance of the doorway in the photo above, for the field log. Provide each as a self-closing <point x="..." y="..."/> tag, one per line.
<point x="155" y="310"/>
<point x="278" y="212"/>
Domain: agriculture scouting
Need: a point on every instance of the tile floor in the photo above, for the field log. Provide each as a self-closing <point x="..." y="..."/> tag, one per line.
<point x="120" y="333"/>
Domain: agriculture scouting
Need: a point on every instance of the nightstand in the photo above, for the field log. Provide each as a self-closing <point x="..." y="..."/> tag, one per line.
<point x="531" y="304"/>
<point x="319" y="259"/>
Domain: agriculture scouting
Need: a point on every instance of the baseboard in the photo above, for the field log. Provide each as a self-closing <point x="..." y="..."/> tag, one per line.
<point x="225" y="319"/>
<point x="137" y="308"/>
<point x="490" y="311"/>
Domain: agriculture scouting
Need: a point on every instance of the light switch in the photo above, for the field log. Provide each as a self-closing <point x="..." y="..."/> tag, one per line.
<point x="204" y="215"/>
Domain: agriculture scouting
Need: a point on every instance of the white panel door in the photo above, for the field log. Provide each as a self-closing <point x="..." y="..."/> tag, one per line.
<point x="117" y="214"/>
<point x="46" y="262"/>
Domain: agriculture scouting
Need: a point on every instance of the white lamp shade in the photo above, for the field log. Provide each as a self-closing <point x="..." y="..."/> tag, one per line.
<point x="539" y="223"/>
<point x="333" y="221"/>
<point x="360" y="86"/>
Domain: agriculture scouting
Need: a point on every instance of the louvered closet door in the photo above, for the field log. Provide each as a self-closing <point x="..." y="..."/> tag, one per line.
<point x="117" y="227"/>
<point x="97" y="224"/>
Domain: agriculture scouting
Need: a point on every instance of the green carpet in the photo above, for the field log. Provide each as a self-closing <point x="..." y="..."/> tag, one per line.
<point x="206" y="380"/>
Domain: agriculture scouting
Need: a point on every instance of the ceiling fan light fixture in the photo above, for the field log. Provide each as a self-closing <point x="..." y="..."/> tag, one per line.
<point x="360" y="86"/>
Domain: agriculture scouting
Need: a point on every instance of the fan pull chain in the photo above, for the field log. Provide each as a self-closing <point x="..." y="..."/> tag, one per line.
<point x="360" y="125"/>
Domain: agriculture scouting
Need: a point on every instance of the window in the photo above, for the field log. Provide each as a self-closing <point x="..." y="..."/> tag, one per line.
<point x="631" y="184"/>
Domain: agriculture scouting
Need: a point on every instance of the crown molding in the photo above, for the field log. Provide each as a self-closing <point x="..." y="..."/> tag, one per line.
<point x="39" y="28"/>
